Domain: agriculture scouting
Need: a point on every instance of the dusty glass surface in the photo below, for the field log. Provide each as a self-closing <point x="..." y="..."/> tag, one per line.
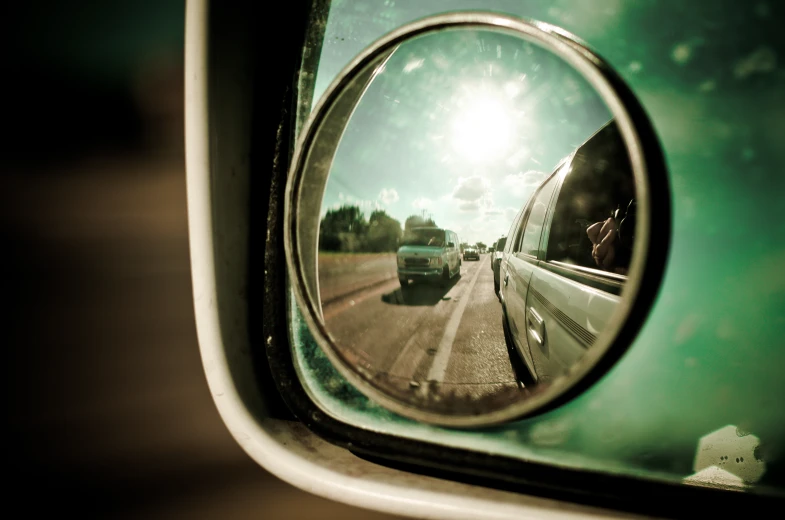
<point x="696" y="398"/>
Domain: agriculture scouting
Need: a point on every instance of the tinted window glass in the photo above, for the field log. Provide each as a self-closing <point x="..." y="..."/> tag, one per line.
<point x="598" y="185"/>
<point x="531" y="235"/>
<point x="424" y="237"/>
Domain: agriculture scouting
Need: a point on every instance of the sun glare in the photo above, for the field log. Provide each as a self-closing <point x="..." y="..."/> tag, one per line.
<point x="483" y="129"/>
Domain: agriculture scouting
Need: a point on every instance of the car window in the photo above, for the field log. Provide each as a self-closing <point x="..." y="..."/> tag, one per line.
<point x="517" y="228"/>
<point x="531" y="235"/>
<point x="597" y="185"/>
<point x="501" y="244"/>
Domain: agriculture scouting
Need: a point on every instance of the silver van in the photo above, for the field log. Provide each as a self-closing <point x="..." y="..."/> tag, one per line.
<point x="428" y="254"/>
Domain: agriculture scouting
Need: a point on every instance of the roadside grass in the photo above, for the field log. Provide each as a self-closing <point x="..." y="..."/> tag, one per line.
<point x="333" y="257"/>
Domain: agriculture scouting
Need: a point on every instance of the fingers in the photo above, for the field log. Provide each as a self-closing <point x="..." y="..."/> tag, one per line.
<point x="609" y="226"/>
<point x="603" y="251"/>
<point x="594" y="231"/>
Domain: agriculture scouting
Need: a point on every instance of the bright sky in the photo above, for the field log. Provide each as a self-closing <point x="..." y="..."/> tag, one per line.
<point x="463" y="125"/>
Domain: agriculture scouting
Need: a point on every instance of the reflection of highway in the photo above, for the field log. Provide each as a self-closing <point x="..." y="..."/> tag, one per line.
<point x="429" y="343"/>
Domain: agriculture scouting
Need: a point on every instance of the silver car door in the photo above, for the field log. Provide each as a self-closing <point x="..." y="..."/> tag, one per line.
<point x="521" y="255"/>
<point x="563" y="318"/>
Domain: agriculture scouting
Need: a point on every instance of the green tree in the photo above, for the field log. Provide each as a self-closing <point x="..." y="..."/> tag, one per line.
<point x="343" y="229"/>
<point x="414" y="221"/>
<point x="384" y="232"/>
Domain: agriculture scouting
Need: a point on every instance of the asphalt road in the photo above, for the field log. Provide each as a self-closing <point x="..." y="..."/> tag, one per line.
<point x="439" y="347"/>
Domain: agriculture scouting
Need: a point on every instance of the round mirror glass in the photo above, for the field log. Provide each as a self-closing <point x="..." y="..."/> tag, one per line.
<point x="468" y="219"/>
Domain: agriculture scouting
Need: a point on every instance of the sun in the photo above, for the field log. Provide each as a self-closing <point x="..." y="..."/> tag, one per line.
<point x="483" y="128"/>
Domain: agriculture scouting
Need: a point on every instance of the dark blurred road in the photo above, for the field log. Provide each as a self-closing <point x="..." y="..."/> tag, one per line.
<point x="109" y="408"/>
<point x="109" y="411"/>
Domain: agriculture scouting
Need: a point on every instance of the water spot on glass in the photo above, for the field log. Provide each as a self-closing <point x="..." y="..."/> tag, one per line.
<point x="690" y="362"/>
<point x="682" y="52"/>
<point x="722" y="130"/>
<point x="748" y="153"/>
<point x="761" y="60"/>
<point x="595" y="404"/>
<point x="686" y="328"/>
<point x="707" y="86"/>
<point x="551" y="433"/>
<point x="725" y="329"/>
<point x="688" y="207"/>
<point x="635" y="66"/>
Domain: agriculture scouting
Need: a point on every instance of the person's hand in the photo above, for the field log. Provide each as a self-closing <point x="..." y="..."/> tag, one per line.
<point x="602" y="236"/>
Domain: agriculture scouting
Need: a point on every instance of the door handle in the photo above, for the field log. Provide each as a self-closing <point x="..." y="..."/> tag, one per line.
<point x="506" y="278"/>
<point x="536" y="325"/>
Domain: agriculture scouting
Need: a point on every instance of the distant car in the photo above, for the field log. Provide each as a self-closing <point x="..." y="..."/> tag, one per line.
<point x="471" y="253"/>
<point x="496" y="258"/>
<point x="555" y="298"/>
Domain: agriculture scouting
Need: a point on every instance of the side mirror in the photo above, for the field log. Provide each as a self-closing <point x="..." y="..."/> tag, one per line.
<point x="374" y="426"/>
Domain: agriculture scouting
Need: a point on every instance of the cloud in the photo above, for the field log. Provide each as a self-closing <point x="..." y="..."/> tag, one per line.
<point x="363" y="204"/>
<point x="523" y="184"/>
<point x="388" y="196"/>
<point x="422" y="203"/>
<point x="413" y="64"/>
<point x="471" y="189"/>
<point x="469" y="205"/>
<point x="510" y="214"/>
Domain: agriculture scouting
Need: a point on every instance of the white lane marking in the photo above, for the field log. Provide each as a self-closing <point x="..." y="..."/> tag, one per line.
<point x="410" y="356"/>
<point x="443" y="351"/>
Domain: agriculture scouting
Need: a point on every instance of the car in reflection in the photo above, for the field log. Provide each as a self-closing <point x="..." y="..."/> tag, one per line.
<point x="557" y="293"/>
<point x="496" y="257"/>
<point x="429" y="254"/>
<point x="471" y="253"/>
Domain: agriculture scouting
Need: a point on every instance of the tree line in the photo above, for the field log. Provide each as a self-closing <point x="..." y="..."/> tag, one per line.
<point x="346" y="229"/>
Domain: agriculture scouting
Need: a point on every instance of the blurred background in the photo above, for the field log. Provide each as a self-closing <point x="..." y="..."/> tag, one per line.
<point x="109" y="410"/>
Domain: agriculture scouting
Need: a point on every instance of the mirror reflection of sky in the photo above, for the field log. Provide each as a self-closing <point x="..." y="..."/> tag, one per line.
<point x="462" y="125"/>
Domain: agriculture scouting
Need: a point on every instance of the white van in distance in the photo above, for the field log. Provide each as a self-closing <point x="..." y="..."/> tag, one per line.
<point x="428" y="254"/>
